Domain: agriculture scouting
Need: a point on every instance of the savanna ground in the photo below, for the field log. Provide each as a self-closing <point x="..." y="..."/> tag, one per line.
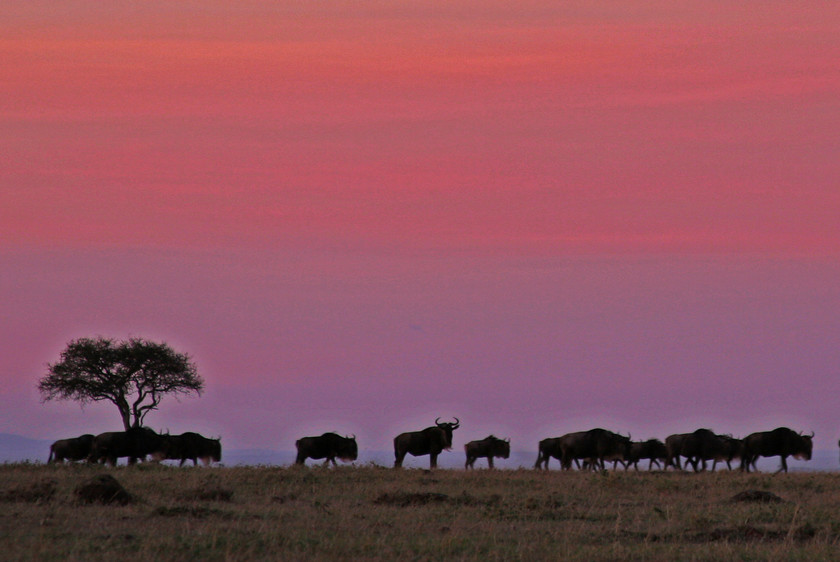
<point x="377" y="513"/>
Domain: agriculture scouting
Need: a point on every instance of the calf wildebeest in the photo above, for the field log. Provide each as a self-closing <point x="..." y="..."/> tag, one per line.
<point x="653" y="449"/>
<point x="73" y="449"/>
<point x="430" y="441"/>
<point x="190" y="446"/>
<point x="135" y="444"/>
<point x="488" y="448"/>
<point x="327" y="446"/>
<point x="593" y="447"/>
<point x="782" y="442"/>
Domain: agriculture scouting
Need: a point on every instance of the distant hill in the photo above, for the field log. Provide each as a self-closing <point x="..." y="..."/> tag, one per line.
<point x="16" y="448"/>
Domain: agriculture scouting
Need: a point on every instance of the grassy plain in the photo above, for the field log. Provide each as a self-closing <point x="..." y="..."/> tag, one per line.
<point x="377" y="513"/>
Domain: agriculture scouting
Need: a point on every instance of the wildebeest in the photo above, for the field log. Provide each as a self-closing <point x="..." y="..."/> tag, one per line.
<point x="135" y="444"/>
<point x="488" y="448"/>
<point x="653" y="449"/>
<point x="73" y="449"/>
<point x="593" y="447"/>
<point x="674" y="446"/>
<point x="782" y="442"/>
<point x="596" y="446"/>
<point x="547" y="449"/>
<point x="700" y="446"/>
<point x="327" y="446"/>
<point x="730" y="449"/>
<point x="430" y="441"/>
<point x="190" y="446"/>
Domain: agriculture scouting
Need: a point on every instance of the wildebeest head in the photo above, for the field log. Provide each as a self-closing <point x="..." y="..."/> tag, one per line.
<point x="348" y="450"/>
<point x="499" y="447"/>
<point x="214" y="449"/>
<point x="806" y="447"/>
<point x="448" y="428"/>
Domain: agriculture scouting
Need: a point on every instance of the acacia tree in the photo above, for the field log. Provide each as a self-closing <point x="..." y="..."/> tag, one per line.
<point x="134" y="374"/>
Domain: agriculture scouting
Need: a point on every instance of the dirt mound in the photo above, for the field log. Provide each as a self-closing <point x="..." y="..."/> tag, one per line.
<point x="103" y="489"/>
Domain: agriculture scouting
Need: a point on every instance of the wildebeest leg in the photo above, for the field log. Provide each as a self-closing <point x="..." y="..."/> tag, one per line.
<point x="432" y="460"/>
<point x="490" y="461"/>
<point x="784" y="464"/>
<point x="398" y="459"/>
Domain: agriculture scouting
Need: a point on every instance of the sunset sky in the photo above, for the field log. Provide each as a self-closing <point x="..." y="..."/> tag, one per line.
<point x="537" y="216"/>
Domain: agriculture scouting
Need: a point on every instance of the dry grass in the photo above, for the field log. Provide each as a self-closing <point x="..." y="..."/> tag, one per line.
<point x="295" y="513"/>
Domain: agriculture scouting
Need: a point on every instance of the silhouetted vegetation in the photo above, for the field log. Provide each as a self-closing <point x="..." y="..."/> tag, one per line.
<point x="134" y="374"/>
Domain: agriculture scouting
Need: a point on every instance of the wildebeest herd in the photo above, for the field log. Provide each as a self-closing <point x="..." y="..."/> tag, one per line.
<point x="137" y="443"/>
<point x="587" y="450"/>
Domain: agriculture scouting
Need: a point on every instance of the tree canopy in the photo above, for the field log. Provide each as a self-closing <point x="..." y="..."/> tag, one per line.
<point x="134" y="374"/>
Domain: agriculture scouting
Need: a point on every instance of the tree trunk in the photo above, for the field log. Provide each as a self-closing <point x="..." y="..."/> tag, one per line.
<point x="125" y="412"/>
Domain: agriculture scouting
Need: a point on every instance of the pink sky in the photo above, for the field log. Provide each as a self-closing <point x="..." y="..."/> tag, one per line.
<point x="362" y="215"/>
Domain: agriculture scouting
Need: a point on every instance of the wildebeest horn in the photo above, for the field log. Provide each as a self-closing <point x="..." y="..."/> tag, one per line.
<point x="457" y="423"/>
<point x="812" y="434"/>
<point x="353" y="436"/>
<point x="437" y="420"/>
